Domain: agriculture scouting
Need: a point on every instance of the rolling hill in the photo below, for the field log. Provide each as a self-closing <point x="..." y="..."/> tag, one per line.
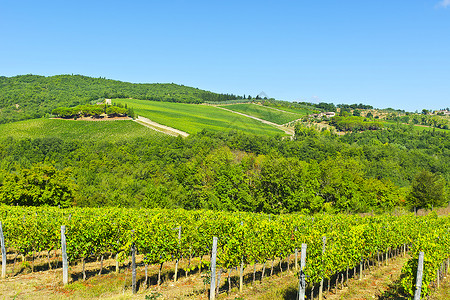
<point x="33" y="96"/>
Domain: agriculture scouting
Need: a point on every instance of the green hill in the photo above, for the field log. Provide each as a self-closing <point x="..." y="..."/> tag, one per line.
<point x="33" y="96"/>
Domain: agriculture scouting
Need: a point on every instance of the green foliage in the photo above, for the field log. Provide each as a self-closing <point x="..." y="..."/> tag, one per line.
<point x="40" y="185"/>
<point x="432" y="238"/>
<point x="89" y="110"/>
<point x="153" y="296"/>
<point x="354" y="123"/>
<point x="242" y="237"/>
<point x="427" y="190"/>
<point x="32" y="96"/>
<point x="124" y="164"/>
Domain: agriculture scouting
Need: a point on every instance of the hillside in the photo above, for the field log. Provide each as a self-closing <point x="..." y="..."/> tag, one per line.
<point x="33" y="96"/>
<point x="195" y="118"/>
<point x="83" y="131"/>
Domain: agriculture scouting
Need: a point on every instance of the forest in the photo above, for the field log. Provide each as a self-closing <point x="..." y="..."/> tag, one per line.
<point x="317" y="171"/>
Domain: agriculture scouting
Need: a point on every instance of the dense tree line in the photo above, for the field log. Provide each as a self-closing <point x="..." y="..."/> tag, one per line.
<point x="437" y="121"/>
<point x="355" y="106"/>
<point x="32" y="96"/>
<point x="354" y="123"/>
<point x="92" y="111"/>
<point x="317" y="171"/>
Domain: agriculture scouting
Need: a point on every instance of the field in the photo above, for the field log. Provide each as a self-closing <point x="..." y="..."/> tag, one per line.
<point x="81" y="130"/>
<point x="265" y="113"/>
<point x="193" y="118"/>
<point x="300" y="111"/>
<point x="416" y="127"/>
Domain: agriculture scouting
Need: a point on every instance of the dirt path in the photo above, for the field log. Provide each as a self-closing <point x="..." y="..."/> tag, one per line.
<point x="374" y="284"/>
<point x="47" y="284"/>
<point x="287" y="130"/>
<point x="161" y="128"/>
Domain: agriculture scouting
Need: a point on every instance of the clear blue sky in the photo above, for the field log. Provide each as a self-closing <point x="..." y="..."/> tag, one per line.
<point x="383" y="53"/>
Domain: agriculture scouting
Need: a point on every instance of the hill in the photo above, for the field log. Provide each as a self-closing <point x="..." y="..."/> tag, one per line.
<point x="193" y="118"/>
<point x="33" y="96"/>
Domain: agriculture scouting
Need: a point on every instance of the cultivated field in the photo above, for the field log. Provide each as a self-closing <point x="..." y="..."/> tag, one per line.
<point x="193" y="118"/>
<point x="265" y="113"/>
<point x="300" y="111"/>
<point x="81" y="130"/>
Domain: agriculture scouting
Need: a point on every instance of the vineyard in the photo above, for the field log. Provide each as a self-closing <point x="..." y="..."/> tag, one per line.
<point x="336" y="245"/>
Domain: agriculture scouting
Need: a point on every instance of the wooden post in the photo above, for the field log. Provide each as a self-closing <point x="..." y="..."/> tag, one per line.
<point x="241" y="271"/>
<point x="419" y="277"/>
<point x="212" y="289"/>
<point x="324" y="242"/>
<point x="133" y="268"/>
<point x="241" y="275"/>
<point x="296" y="256"/>
<point x="361" y="269"/>
<point x="437" y="278"/>
<point x="117" y="263"/>
<point x="64" y="256"/>
<point x="302" y="281"/>
<point x="178" y="259"/>
<point x="2" y="241"/>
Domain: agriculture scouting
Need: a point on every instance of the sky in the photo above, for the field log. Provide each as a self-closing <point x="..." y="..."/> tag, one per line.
<point x="382" y="53"/>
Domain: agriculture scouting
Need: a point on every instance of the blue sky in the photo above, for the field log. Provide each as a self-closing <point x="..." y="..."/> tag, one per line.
<point x="383" y="53"/>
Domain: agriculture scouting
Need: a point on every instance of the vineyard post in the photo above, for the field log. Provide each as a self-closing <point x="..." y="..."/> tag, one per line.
<point x="302" y="282"/>
<point x="64" y="256"/>
<point x="437" y="278"/>
<point x="241" y="271"/>
<point x="324" y="242"/>
<point x="419" y="277"/>
<point x="2" y="240"/>
<point x="361" y="269"/>
<point x="133" y="268"/>
<point x="212" y="289"/>
<point x="296" y="255"/>
<point x="178" y="259"/>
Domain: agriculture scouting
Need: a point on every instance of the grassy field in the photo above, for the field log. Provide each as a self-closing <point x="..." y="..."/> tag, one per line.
<point x="301" y="111"/>
<point x="192" y="118"/>
<point x="265" y="113"/>
<point x="416" y="127"/>
<point x="71" y="129"/>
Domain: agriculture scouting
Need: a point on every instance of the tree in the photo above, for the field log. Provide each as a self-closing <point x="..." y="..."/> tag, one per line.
<point x="427" y="190"/>
<point x="40" y="185"/>
<point x="356" y="113"/>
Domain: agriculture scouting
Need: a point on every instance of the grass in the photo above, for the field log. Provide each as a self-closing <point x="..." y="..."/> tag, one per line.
<point x="265" y="113"/>
<point x="193" y="118"/>
<point x="295" y="110"/>
<point x="70" y="129"/>
<point x="416" y="127"/>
